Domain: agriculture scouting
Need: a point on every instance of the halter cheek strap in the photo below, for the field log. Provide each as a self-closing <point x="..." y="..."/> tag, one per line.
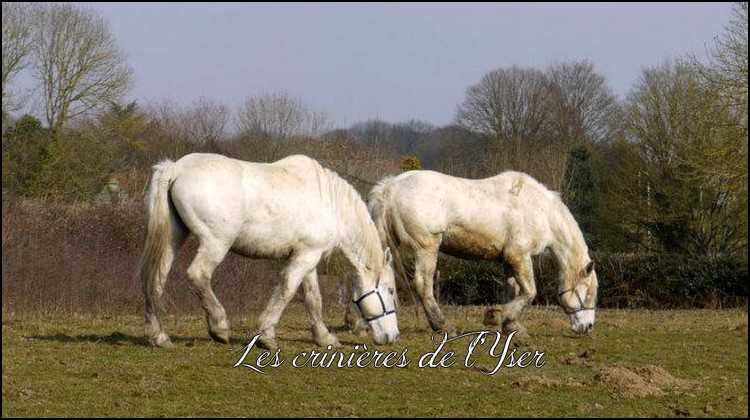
<point x="578" y="296"/>
<point x="375" y="292"/>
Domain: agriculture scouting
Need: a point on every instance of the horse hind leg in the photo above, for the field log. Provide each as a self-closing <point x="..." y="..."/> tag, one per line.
<point x="199" y="273"/>
<point x="313" y="301"/>
<point x="158" y="267"/>
<point x="300" y="265"/>
<point x="424" y="272"/>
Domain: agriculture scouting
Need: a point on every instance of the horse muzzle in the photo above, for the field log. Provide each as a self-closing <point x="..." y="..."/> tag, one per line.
<point x="583" y="321"/>
<point x="385" y="338"/>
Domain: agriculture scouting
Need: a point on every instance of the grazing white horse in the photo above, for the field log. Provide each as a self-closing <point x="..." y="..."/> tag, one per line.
<point x="507" y="217"/>
<point x="293" y="209"/>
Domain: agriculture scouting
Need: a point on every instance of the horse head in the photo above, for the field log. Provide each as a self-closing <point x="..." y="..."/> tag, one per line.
<point x="378" y="305"/>
<point x="577" y="297"/>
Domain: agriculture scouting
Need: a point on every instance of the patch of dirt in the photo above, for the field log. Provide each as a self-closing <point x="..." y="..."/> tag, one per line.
<point x="583" y="359"/>
<point x="575" y="361"/>
<point x="625" y="383"/>
<point x="571" y="382"/>
<point x="492" y="317"/>
<point x="586" y="354"/>
<point x="638" y="382"/>
<point x="587" y="408"/>
<point x="660" y="377"/>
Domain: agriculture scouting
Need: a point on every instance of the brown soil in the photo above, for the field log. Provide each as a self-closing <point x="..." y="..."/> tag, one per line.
<point x="556" y="323"/>
<point x="492" y="317"/>
<point x="583" y="359"/>
<point x="638" y="382"/>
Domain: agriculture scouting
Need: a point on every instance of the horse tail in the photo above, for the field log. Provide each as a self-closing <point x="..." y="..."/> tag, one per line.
<point x="378" y="204"/>
<point x="165" y="234"/>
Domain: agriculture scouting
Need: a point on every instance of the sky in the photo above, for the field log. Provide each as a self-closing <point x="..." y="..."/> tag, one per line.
<point x="392" y="61"/>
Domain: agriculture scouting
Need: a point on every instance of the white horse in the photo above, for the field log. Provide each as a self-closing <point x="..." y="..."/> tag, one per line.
<point x="510" y="216"/>
<point x="293" y="209"/>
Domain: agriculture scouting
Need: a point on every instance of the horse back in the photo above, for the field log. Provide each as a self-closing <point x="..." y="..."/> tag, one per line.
<point x="244" y="204"/>
<point x="472" y="219"/>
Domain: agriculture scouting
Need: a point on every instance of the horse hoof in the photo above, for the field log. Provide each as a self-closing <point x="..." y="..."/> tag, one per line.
<point x="451" y="330"/>
<point x="523" y="334"/>
<point x="448" y="331"/>
<point x="162" y="340"/>
<point x="267" y="343"/>
<point x="520" y="333"/>
<point x="331" y="340"/>
<point x="220" y="336"/>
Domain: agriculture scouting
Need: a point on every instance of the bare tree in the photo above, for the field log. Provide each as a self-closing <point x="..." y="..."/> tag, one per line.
<point x="205" y="123"/>
<point x="508" y="104"/>
<point x="374" y="133"/>
<point x="77" y="62"/>
<point x="590" y="108"/>
<point x="17" y="42"/>
<point x="519" y="110"/>
<point x="279" y="116"/>
<point x="317" y="123"/>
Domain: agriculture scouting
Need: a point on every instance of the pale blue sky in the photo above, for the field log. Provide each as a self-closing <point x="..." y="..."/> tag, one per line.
<point x="394" y="61"/>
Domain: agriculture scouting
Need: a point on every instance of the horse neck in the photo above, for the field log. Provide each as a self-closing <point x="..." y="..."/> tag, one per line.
<point x="359" y="240"/>
<point x="568" y="246"/>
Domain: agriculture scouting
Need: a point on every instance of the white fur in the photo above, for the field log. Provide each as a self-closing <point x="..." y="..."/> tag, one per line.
<point x="510" y="216"/>
<point x="292" y="208"/>
<point x="583" y="321"/>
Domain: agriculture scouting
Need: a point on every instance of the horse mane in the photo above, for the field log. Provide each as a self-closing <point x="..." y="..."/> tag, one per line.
<point x="346" y="198"/>
<point x="566" y="229"/>
<point x="376" y="204"/>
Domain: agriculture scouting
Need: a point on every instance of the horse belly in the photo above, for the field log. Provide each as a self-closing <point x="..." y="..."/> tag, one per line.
<point x="260" y="249"/>
<point x="471" y="245"/>
<point x="279" y="239"/>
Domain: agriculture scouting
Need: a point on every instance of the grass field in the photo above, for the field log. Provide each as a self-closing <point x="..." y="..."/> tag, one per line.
<point x="635" y="363"/>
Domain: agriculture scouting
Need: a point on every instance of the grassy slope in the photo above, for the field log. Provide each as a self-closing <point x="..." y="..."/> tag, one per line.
<point x="89" y="366"/>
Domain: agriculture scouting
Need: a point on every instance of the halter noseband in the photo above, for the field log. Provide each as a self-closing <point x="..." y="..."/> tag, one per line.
<point x="376" y="292"/>
<point x="578" y="296"/>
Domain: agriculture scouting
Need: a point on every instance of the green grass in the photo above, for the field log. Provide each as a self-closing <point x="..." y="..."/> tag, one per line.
<point x="95" y="366"/>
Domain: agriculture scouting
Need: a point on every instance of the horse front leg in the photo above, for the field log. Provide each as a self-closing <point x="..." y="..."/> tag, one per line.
<point x="313" y="302"/>
<point x="352" y="319"/>
<point x="300" y="265"/>
<point x="494" y="315"/>
<point x="522" y="289"/>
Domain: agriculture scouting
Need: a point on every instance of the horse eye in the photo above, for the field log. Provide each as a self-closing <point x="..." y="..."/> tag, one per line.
<point x="390" y="290"/>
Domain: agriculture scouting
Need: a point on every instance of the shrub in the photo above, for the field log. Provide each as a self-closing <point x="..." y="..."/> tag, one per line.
<point x="625" y="281"/>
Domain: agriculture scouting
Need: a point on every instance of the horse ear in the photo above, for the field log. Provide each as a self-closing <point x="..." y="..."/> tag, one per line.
<point x="387" y="258"/>
<point x="589" y="268"/>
